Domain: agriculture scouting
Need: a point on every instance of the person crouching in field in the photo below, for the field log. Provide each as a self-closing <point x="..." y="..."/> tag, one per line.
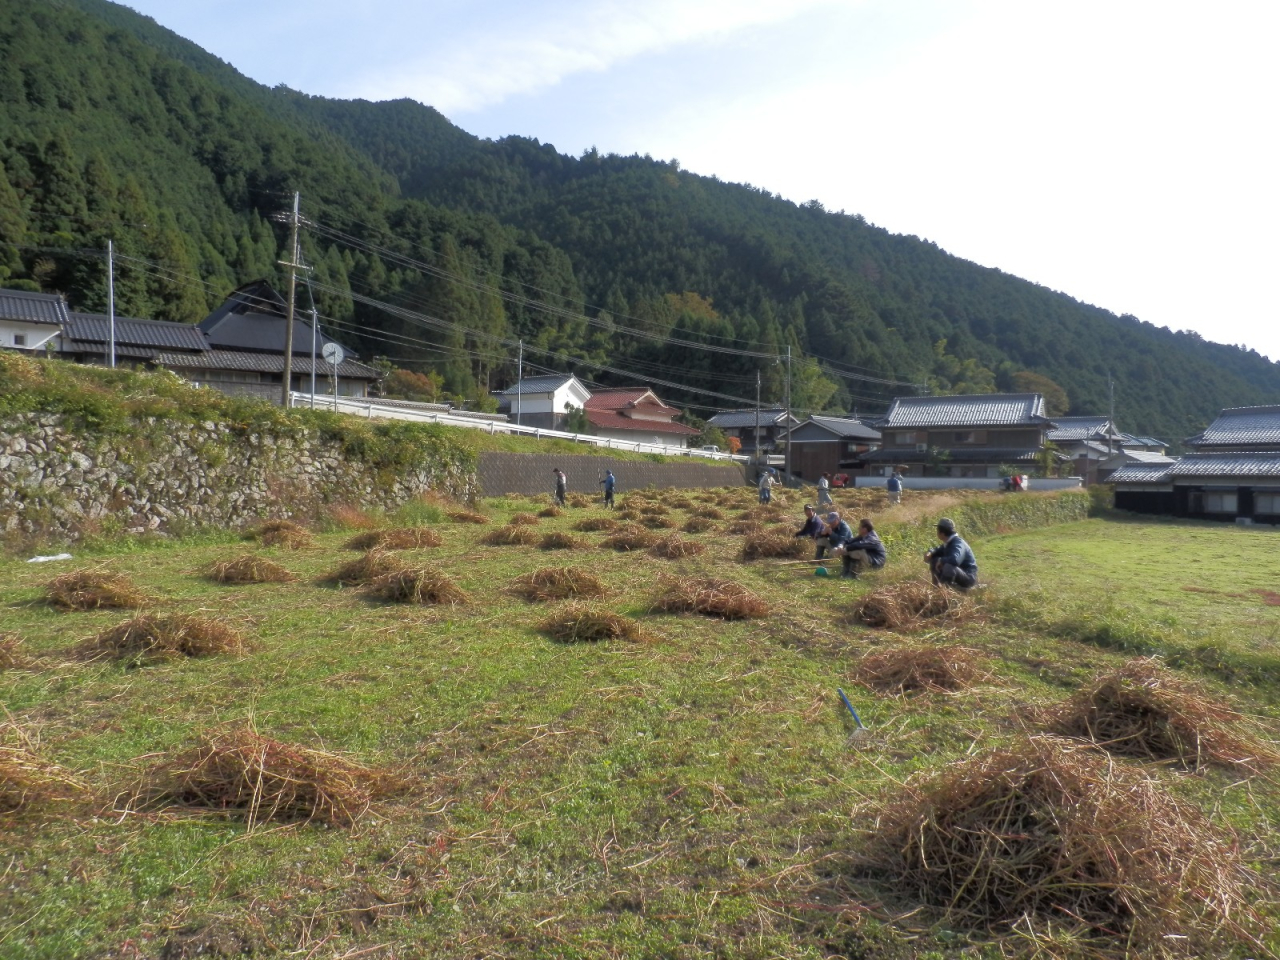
<point x="813" y="529"/>
<point x="952" y="562"/>
<point x="864" y="550"/>
<point x="835" y="534"/>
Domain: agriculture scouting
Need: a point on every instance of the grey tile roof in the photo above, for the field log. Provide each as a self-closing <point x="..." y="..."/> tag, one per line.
<point x="979" y="410"/>
<point x="1129" y="440"/>
<point x="547" y="384"/>
<point x="769" y="417"/>
<point x="32" y="307"/>
<point x="1141" y="473"/>
<point x="261" y="362"/>
<point x="834" y="427"/>
<point x="994" y="455"/>
<point x="1227" y="465"/>
<point x="91" y="331"/>
<point x="1148" y="456"/>
<point x="1241" y="425"/>
<point x="1080" y="428"/>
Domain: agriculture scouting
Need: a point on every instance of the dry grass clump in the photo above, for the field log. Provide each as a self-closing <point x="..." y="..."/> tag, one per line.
<point x="680" y="503"/>
<point x="920" y="669"/>
<point x="1144" y="712"/>
<point x="780" y="544"/>
<point x="654" y="510"/>
<point x="28" y="782"/>
<point x="421" y="585"/>
<point x="551" y="512"/>
<point x="655" y="522"/>
<point x="709" y="596"/>
<point x="596" y="524"/>
<point x="249" y="568"/>
<point x="558" y="583"/>
<point x="346" y="517"/>
<point x="579" y="500"/>
<point x="466" y="516"/>
<point x="1048" y="838"/>
<point x="560" y="541"/>
<point x="369" y="567"/>
<point x="910" y="605"/>
<point x="510" y="536"/>
<point x="581" y="623"/>
<point x="522" y="520"/>
<point x="151" y="638"/>
<point x="676" y="547"/>
<point x="94" y="590"/>
<point x="629" y="515"/>
<point x="235" y="768"/>
<point x="282" y="533"/>
<point x="698" y="525"/>
<point x="750" y="527"/>
<point x="404" y="538"/>
<point x="711" y="513"/>
<point x="629" y="538"/>
<point x="12" y="656"/>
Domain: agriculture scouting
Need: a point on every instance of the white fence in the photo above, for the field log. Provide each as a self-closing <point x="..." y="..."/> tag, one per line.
<point x="372" y="409"/>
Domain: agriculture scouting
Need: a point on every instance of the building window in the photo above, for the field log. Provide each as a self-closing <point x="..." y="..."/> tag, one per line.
<point x="1266" y="503"/>
<point x="1218" y="502"/>
<point x="963" y="436"/>
<point x="904" y="437"/>
<point x="19" y="339"/>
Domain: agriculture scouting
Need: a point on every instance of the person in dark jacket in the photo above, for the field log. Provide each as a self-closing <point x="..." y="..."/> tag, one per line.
<point x="609" y="481"/>
<point x="864" y="550"/>
<point x="562" y="486"/>
<point x="952" y="562"/>
<point x="813" y="529"/>
<point x="835" y="533"/>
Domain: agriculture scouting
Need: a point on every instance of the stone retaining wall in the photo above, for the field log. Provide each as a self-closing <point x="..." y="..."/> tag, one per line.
<point x="530" y="473"/>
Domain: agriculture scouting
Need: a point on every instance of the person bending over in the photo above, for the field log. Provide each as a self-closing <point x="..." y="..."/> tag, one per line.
<point x="952" y="562"/>
<point x="813" y="529"/>
<point x="835" y="533"/>
<point x="864" y="550"/>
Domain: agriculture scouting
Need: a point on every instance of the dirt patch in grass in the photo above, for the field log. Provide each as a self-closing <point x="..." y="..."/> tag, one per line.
<point x="282" y="533"/>
<point x="234" y="768"/>
<point x="94" y="590"/>
<point x="709" y="596"/>
<point x="148" y="639"/>
<point x="418" y="585"/>
<point x="404" y="538"/>
<point x="368" y="567"/>
<point x="911" y="605"/>
<point x="466" y="516"/>
<point x="1142" y="711"/>
<point x="560" y="541"/>
<point x="213" y="941"/>
<point x="582" y="623"/>
<point x="558" y="583"/>
<point x="777" y="544"/>
<point x="1270" y="597"/>
<point x="629" y="538"/>
<point x="905" y="669"/>
<point x="596" y="525"/>
<point x="249" y="568"/>
<point x="512" y="535"/>
<point x="676" y="547"/>
<point x="28" y="782"/>
<point x="1046" y="836"/>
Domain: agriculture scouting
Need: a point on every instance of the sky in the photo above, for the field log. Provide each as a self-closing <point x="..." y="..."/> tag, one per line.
<point x="1125" y="152"/>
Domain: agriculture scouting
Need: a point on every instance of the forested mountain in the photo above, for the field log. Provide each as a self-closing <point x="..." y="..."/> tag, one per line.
<point x="111" y="126"/>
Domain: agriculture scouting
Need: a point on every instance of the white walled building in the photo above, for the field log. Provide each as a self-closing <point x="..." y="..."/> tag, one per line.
<point x="28" y="321"/>
<point x="543" y="401"/>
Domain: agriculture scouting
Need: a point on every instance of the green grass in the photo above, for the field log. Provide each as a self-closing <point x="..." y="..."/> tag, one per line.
<point x="694" y="796"/>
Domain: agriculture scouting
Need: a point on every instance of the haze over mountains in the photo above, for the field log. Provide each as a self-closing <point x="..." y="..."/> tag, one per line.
<point x="113" y="127"/>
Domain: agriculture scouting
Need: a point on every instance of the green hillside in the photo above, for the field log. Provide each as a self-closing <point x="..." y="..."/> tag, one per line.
<point x="108" y="122"/>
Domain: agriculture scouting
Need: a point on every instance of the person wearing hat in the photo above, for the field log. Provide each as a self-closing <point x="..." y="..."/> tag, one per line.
<point x="609" y="482"/>
<point x="812" y="529"/>
<point x="562" y="486"/>
<point x="835" y="534"/>
<point x="866" y="549"/>
<point x="952" y="562"/>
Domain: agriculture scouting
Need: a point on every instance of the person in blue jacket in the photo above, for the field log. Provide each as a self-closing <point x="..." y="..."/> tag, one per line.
<point x="952" y="562"/>
<point x="609" y="482"/>
<point x="813" y="529"/>
<point x="835" y="534"/>
<point x="866" y="549"/>
<point x="894" y="486"/>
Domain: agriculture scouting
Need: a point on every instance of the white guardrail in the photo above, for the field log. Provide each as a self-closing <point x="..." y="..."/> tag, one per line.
<point x="405" y="410"/>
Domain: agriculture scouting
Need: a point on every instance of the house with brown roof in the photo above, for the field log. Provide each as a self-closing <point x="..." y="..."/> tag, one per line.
<point x="636" y="414"/>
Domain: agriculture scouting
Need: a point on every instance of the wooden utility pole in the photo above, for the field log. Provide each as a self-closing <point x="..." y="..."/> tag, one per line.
<point x="287" y="385"/>
<point x="111" y="302"/>
<point x="788" y="464"/>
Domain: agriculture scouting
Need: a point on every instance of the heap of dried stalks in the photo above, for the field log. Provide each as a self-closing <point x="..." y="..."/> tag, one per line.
<point x="522" y="520"/>
<point x="1049" y="838"/>
<point x="94" y="590"/>
<point x="579" y="500"/>
<point x="654" y="522"/>
<point x="629" y="515"/>
<point x="282" y="533"/>
<point x="920" y="669"/>
<point x="150" y="638"/>
<point x="421" y="585"/>
<point x="629" y="538"/>
<point x="346" y="517"/>
<point x="235" y="768"/>
<point x="249" y="568"/>
<point x="654" y="510"/>
<point x="711" y="513"/>
<point x="680" y="503"/>
<point x="709" y="596"/>
<point x="12" y="656"/>
<point x="596" y="524"/>
<point x="551" y="512"/>
<point x="676" y="547"/>
<point x="510" y="536"/>
<point x="1144" y="712"/>
<point x="404" y="538"/>
<point x="368" y="567"/>
<point x="582" y="623"/>
<point x="466" y="516"/>
<point x="910" y="605"/>
<point x="698" y="525"/>
<point x="558" y="583"/>
<point x="28" y="782"/>
<point x="559" y="540"/>
<point x="749" y="527"/>
<point x="780" y="544"/>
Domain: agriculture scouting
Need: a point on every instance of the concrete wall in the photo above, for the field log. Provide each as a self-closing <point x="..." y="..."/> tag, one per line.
<point x="968" y="483"/>
<point x="530" y="473"/>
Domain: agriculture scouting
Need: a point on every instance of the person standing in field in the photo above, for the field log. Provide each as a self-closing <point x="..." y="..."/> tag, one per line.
<point x="952" y="563"/>
<point x="609" y="482"/>
<point x="766" y="486"/>
<point x="894" y="486"/>
<point x="824" y="491"/>
<point x="562" y="486"/>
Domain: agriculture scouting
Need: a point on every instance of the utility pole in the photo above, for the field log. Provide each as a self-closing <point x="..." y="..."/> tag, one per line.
<point x="788" y="462"/>
<point x="755" y="451"/>
<point x="1111" y="390"/>
<point x="520" y="383"/>
<point x="111" y="302"/>
<point x="313" y="354"/>
<point x="286" y="386"/>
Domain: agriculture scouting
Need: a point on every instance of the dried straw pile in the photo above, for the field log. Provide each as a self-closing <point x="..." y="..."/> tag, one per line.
<point x="346" y="517"/>
<point x="920" y="669"/>
<point x="629" y="538"/>
<point x="94" y="590"/>
<point x="629" y="515"/>
<point x="466" y="516"/>
<point x="1046" y="836"/>
<point x="420" y="585"/>
<point x="28" y="782"/>
<point x="522" y="520"/>
<point x="12" y="656"/>
<point x="750" y="527"/>
<point x="148" y="638"/>
<point x="709" y="596"/>
<point x="558" y="583"/>
<point x="656" y="522"/>
<point x="654" y="510"/>
<point x="596" y="525"/>
<point x="910" y="605"/>
<point x="282" y="533"/>
<point x="779" y="544"/>
<point x="249" y="568"/>
<point x="676" y="547"/>
<point x="581" y="623"/>
<point x="560" y="541"/>
<point x="370" y="566"/>
<point x="235" y="768"/>
<point x="1144" y="712"/>
<point x="404" y="538"/>
<point x="551" y="512"/>
<point x="511" y="535"/>
<point x="711" y="513"/>
<point x="699" y="524"/>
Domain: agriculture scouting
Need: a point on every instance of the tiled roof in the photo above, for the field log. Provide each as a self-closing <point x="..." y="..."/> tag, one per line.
<point x="261" y="362"/>
<point x="1241" y="425"/>
<point x="1129" y="440"/>
<point x="979" y="410"/>
<point x="538" y="384"/>
<point x="1227" y="465"/>
<point x="1148" y="456"/>
<point x="621" y="398"/>
<point x="769" y="417"/>
<point x="1079" y="428"/>
<point x="843" y="427"/>
<point x="609" y="420"/>
<point x="960" y="455"/>
<point x="1141" y="473"/>
<point x="84" y="329"/>
<point x="32" y="307"/>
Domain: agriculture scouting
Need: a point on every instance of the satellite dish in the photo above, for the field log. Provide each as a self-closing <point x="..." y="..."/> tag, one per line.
<point x="333" y="353"/>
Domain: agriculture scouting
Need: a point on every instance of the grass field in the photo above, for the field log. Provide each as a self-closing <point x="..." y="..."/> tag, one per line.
<point x="696" y="794"/>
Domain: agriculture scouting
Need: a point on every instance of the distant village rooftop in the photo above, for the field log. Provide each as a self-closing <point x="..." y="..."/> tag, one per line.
<point x="975" y="410"/>
<point x="1241" y="425"/>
